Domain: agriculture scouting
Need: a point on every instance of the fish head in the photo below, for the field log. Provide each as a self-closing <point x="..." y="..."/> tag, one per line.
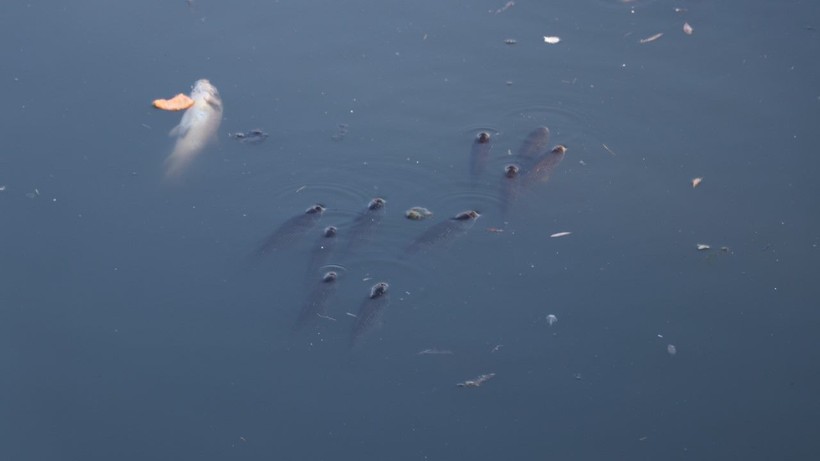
<point x="316" y="208"/>
<point x="467" y="215"/>
<point x="330" y="232"/>
<point x="483" y="137"/>
<point x="330" y="277"/>
<point x="376" y="204"/>
<point x="204" y="91"/>
<point x="511" y="171"/>
<point x="378" y="290"/>
<point x="559" y="149"/>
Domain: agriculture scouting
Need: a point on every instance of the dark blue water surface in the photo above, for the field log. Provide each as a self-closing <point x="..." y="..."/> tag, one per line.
<point x="135" y="322"/>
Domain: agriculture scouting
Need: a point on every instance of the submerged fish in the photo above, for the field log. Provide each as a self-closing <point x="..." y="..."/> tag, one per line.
<point x="536" y="144"/>
<point x="322" y="251"/>
<point x="197" y="127"/>
<point x="292" y="230"/>
<point x="443" y="232"/>
<point x="370" y="312"/>
<point x="365" y="223"/>
<point x="316" y="303"/>
<point x="510" y="186"/>
<point x="541" y="171"/>
<point x="479" y="153"/>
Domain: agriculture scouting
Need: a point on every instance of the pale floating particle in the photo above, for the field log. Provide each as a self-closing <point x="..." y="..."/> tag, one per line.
<point x="696" y="182"/>
<point x="680" y="10"/>
<point x="477" y="381"/>
<point x="497" y="348"/>
<point x="350" y="314"/>
<point x="725" y="249"/>
<point x="504" y="8"/>
<point x="552" y="39"/>
<point x="560" y="234"/>
<point x="607" y="147"/>
<point x="687" y="29"/>
<point x="435" y="351"/>
<point x="495" y="230"/>
<point x="652" y="38"/>
<point x="2" y="188"/>
<point x="702" y="247"/>
<point x="510" y="41"/>
<point x="671" y="349"/>
<point x="552" y="319"/>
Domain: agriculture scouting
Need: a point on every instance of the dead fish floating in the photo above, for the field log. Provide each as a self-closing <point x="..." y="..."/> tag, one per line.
<point x="197" y="128"/>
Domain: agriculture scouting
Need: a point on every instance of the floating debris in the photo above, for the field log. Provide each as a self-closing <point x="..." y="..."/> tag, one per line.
<point x="341" y="130"/>
<point x="560" y="234"/>
<point x="671" y="349"/>
<point x="2" y="188"/>
<point x="609" y="150"/>
<point x="417" y="213"/>
<point x="497" y="348"/>
<point x="477" y="381"/>
<point x="552" y="39"/>
<point x="504" y="8"/>
<point x="254" y="136"/>
<point x="34" y="194"/>
<point x="510" y="41"/>
<point x="687" y="29"/>
<point x="725" y="249"/>
<point x="702" y="247"/>
<point x="652" y="38"/>
<point x="696" y="182"/>
<point x="552" y="319"/>
<point x="178" y="102"/>
<point x="435" y="351"/>
<point x="495" y="230"/>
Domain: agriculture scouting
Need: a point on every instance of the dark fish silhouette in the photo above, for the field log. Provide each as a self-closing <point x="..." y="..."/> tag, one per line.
<point x="255" y="136"/>
<point x="536" y="144"/>
<point x="316" y="303"/>
<point x="370" y="313"/>
<point x="364" y="225"/>
<point x="322" y="251"/>
<point x="479" y="153"/>
<point x="443" y="232"/>
<point x="541" y="171"/>
<point x="510" y="186"/>
<point x="292" y="230"/>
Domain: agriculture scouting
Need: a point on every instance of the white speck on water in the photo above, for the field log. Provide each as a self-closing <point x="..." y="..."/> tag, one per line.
<point x="671" y="349"/>
<point x="552" y="319"/>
